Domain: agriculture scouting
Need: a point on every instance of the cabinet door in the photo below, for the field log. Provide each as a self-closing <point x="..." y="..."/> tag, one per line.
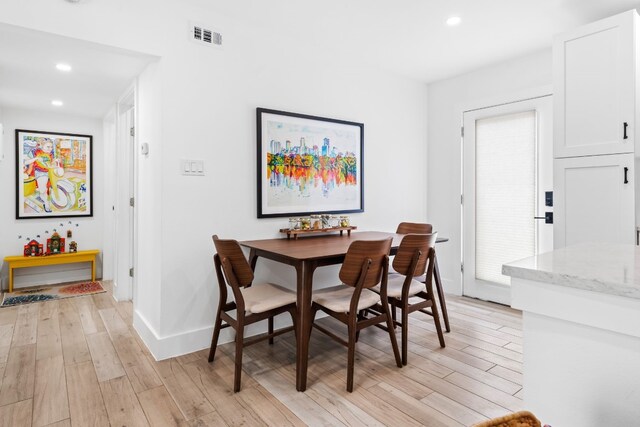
<point x="594" y="88"/>
<point x="594" y="200"/>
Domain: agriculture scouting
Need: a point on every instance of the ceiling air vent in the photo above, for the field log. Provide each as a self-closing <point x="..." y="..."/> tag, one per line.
<point x="203" y="35"/>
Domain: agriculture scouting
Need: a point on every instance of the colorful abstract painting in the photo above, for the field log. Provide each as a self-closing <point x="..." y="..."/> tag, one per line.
<point x="308" y="164"/>
<point x="53" y="174"/>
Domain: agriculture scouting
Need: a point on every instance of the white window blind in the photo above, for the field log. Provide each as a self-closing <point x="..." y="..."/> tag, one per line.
<point x="505" y="192"/>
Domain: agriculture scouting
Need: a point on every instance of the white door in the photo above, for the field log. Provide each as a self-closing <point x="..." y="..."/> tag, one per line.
<point x="594" y="83"/>
<point x="507" y="168"/>
<point x="594" y="200"/>
<point x="125" y="244"/>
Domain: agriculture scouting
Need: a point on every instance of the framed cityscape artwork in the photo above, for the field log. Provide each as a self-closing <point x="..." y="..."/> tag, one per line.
<point x="53" y="175"/>
<point x="308" y="164"/>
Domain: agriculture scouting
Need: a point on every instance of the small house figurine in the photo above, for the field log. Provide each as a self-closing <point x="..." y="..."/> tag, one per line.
<point x="33" y="248"/>
<point x="73" y="247"/>
<point x="55" y="244"/>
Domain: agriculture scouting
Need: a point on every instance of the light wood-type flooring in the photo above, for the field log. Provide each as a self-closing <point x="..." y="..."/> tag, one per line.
<point x="79" y="362"/>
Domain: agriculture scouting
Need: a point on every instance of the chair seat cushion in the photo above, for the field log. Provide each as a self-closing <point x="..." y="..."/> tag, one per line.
<point x="338" y="298"/>
<point x="266" y="296"/>
<point x="394" y="286"/>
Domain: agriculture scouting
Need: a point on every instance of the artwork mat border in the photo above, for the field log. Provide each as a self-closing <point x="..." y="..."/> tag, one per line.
<point x="261" y="172"/>
<point x="19" y="173"/>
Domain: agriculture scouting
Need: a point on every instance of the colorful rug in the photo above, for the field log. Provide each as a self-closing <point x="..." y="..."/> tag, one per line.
<point x="47" y="293"/>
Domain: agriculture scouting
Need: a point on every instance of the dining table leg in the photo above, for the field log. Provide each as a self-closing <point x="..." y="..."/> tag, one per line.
<point x="253" y="259"/>
<point x="304" y="279"/>
<point x="443" y="305"/>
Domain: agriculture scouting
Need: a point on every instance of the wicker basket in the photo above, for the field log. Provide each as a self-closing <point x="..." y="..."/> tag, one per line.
<point x="519" y="419"/>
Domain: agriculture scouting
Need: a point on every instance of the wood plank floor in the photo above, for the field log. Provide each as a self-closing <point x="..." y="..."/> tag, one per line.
<point x="79" y="362"/>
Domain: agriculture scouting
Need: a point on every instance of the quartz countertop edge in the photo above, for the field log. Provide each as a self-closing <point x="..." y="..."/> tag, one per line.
<point x="605" y="268"/>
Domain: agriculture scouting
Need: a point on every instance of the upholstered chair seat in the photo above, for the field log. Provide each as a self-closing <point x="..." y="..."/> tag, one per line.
<point x="338" y="298"/>
<point x="266" y="296"/>
<point x="396" y="283"/>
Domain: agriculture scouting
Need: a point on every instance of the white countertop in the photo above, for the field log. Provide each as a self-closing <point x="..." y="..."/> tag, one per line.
<point x="605" y="268"/>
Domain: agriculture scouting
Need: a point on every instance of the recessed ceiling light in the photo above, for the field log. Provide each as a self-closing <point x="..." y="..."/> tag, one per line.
<point x="453" y="21"/>
<point x="57" y="103"/>
<point x="63" y="67"/>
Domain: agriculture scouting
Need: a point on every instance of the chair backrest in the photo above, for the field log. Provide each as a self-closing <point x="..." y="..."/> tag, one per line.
<point x="230" y="250"/>
<point x="409" y="246"/>
<point x="375" y="250"/>
<point x="414" y="228"/>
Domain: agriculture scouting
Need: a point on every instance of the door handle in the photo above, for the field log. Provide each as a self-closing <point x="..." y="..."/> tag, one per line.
<point x="548" y="217"/>
<point x="626" y="172"/>
<point x="626" y="125"/>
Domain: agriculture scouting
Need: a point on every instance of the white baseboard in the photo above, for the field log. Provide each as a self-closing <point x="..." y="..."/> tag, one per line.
<point x="173" y="345"/>
<point x="165" y="347"/>
<point x="121" y="293"/>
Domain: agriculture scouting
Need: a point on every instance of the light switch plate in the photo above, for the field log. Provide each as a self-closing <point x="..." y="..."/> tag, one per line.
<point x="191" y="167"/>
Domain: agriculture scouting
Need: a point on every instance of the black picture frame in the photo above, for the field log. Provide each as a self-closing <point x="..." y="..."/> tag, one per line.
<point x="66" y="173"/>
<point x="297" y="180"/>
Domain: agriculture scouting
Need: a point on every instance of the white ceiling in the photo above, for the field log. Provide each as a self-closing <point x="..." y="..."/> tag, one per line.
<point x="410" y="37"/>
<point x="407" y="37"/>
<point x="29" y="79"/>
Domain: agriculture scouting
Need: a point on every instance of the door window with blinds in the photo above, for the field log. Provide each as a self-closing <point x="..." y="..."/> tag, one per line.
<point x="507" y="166"/>
<point x="505" y="192"/>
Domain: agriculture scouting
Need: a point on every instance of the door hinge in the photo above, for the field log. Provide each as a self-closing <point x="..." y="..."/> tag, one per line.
<point x="462" y="131"/>
<point x="132" y="201"/>
<point x="131" y="272"/>
<point x="462" y="199"/>
<point x="461" y="267"/>
<point x="132" y="131"/>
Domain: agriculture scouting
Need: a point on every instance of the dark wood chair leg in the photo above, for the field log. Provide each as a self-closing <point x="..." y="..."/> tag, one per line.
<point x="293" y="313"/>
<point x="312" y="318"/>
<point x="405" y="332"/>
<point x="238" y="362"/>
<point x="443" y="304"/>
<point x="214" y="339"/>
<point x="361" y="316"/>
<point x="392" y="334"/>
<point x="271" y="329"/>
<point x="394" y="316"/>
<point x="351" y="353"/>
<point x="436" y="320"/>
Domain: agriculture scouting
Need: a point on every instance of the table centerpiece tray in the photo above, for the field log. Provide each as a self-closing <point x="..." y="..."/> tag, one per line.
<point x="297" y="232"/>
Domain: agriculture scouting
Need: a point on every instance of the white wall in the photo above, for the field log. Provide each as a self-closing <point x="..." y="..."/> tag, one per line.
<point x="88" y="234"/>
<point x="110" y="170"/>
<point x="204" y="108"/>
<point x="511" y="80"/>
<point x="147" y="290"/>
<point x="3" y="138"/>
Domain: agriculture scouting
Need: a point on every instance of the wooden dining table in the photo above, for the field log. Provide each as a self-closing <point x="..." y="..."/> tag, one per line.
<point x="307" y="254"/>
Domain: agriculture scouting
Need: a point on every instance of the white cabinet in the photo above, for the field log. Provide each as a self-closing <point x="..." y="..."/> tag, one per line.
<point x="595" y="88"/>
<point x="595" y="154"/>
<point x="594" y="200"/>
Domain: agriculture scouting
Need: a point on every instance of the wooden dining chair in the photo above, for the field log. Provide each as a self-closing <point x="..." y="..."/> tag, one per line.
<point x="414" y="228"/>
<point x="423" y="228"/>
<point x="253" y="302"/>
<point x="366" y="265"/>
<point x="416" y="255"/>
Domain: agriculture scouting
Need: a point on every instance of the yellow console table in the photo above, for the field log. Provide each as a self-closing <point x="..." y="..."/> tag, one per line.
<point x="38" y="261"/>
